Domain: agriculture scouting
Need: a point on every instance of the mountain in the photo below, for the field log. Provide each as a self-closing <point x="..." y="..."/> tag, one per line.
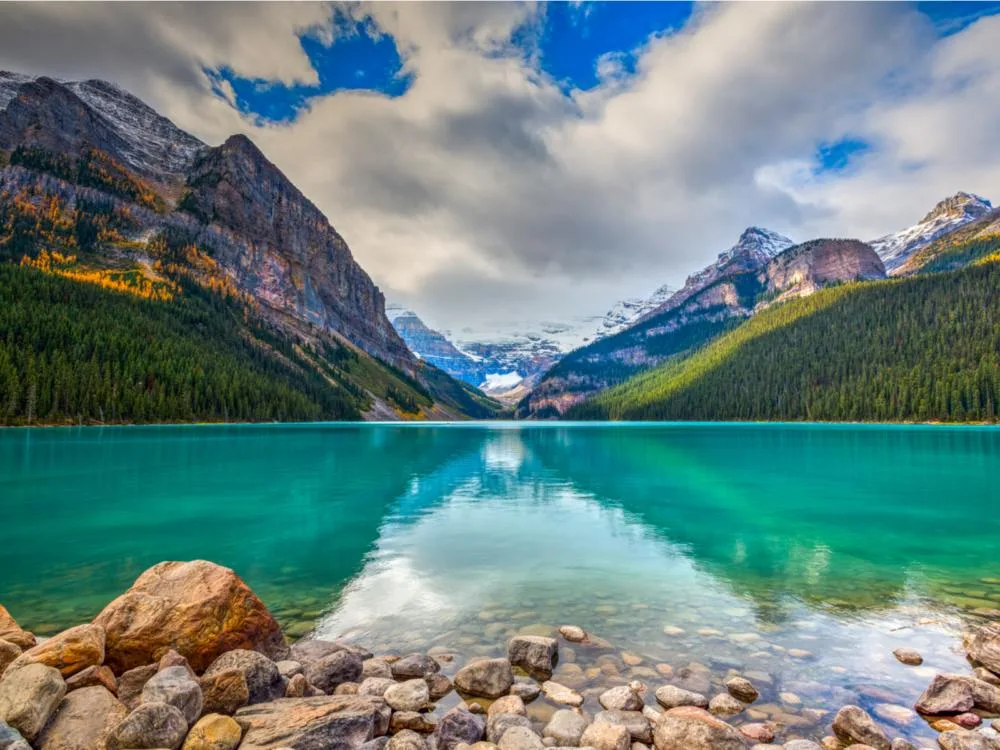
<point x="958" y="248"/>
<point x="628" y="311"/>
<point x="924" y="348"/>
<point x="96" y="187"/>
<point x="946" y="217"/>
<point x="432" y="346"/>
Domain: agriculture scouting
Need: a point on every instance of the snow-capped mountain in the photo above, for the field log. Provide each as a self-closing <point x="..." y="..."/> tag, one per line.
<point x="755" y="248"/>
<point x="628" y="311"/>
<point x="947" y="216"/>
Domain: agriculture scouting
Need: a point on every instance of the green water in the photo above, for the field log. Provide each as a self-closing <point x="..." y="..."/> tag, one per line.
<point x="843" y="541"/>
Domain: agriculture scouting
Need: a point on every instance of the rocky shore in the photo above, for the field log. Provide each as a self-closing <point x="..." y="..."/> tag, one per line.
<point x="189" y="657"/>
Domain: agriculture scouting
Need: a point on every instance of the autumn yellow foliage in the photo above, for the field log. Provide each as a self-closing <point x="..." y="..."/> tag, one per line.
<point x="128" y="282"/>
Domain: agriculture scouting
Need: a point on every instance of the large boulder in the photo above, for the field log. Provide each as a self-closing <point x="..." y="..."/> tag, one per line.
<point x="70" y="652"/>
<point x="83" y="721"/>
<point x="29" y="696"/>
<point x="852" y="724"/>
<point x="333" y="670"/>
<point x="262" y="676"/>
<point x="457" y="727"/>
<point x="199" y="609"/>
<point x="12" y="632"/>
<point x="328" y="722"/>
<point x="691" y="728"/>
<point x="957" y="694"/>
<point x="535" y="654"/>
<point x="963" y="739"/>
<point x="487" y="678"/>
<point x="983" y="647"/>
<point x="151" y="725"/>
<point x="176" y="687"/>
<point x="214" y="732"/>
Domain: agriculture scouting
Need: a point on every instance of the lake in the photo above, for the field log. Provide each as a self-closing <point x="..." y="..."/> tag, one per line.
<point x="803" y="554"/>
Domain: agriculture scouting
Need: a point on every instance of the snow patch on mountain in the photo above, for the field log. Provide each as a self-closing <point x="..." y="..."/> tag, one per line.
<point x="947" y="216"/>
<point x="629" y="311"/>
<point x="499" y="382"/>
<point x="9" y="84"/>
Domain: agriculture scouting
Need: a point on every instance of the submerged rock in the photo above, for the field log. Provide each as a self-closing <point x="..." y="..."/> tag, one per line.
<point x="534" y="653"/>
<point x="852" y="724"/>
<point x="573" y="633"/>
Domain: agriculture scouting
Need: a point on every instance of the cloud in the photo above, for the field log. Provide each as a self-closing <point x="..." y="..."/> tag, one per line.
<point x="487" y="190"/>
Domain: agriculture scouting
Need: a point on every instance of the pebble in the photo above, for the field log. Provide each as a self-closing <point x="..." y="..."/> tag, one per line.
<point x="908" y="656"/>
<point x="572" y="633"/>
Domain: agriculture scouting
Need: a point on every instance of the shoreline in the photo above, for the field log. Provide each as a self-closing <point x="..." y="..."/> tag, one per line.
<point x="190" y="648"/>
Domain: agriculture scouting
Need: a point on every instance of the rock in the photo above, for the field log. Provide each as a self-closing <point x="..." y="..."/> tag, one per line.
<point x="572" y="633"/>
<point x="92" y="676"/>
<point x="508" y="704"/>
<point x="11" y="739"/>
<point x="566" y="727"/>
<point x="985" y="695"/>
<point x="724" y="704"/>
<point x="963" y="739"/>
<point x="376" y="686"/>
<point x="8" y="653"/>
<point x="635" y="722"/>
<point x="900" y="744"/>
<point x="908" y="656"/>
<point x="131" y="683"/>
<point x="621" y="698"/>
<point x="29" y="696"/>
<point x="853" y="724"/>
<point x="520" y="738"/>
<point x="173" y="659"/>
<point x="535" y="654"/>
<point x="375" y="668"/>
<point x="438" y="685"/>
<point x="262" y="677"/>
<point x="803" y="745"/>
<point x="695" y="680"/>
<point x="983" y="647"/>
<point x="199" y="609"/>
<point x="498" y="724"/>
<point x="414" y="665"/>
<point x="83" y="720"/>
<point x="947" y="694"/>
<point x="337" y="722"/>
<point x="224" y="692"/>
<point x="968" y="720"/>
<point x="411" y="695"/>
<point x="176" y="687"/>
<point x="151" y="725"/>
<point x="288" y="668"/>
<point x="692" y="728"/>
<point x="561" y="694"/>
<point x="11" y="632"/>
<point x="673" y="631"/>
<point x="487" y="678"/>
<point x="70" y="652"/>
<point x="605" y="736"/>
<point x="671" y="696"/>
<point x="332" y="670"/>
<point x="418" y="722"/>
<point x="526" y="691"/>
<point x="758" y="732"/>
<point x="458" y="726"/>
<point x="297" y="687"/>
<point x="214" y="732"/>
<point x="406" y="740"/>
<point x="379" y="743"/>
<point x="742" y="689"/>
<point x="894" y="714"/>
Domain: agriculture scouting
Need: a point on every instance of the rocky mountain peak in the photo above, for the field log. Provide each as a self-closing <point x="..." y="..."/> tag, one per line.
<point x="960" y="205"/>
<point x="758" y="241"/>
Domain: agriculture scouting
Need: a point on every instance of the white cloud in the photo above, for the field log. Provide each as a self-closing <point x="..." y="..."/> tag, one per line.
<point x="485" y="191"/>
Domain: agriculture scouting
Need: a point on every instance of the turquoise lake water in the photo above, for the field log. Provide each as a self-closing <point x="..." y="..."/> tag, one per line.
<point x="758" y="541"/>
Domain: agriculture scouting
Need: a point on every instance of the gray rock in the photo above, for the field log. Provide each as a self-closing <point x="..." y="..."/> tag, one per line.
<point x="411" y="695"/>
<point x="175" y="687"/>
<point x="458" y="726"/>
<point x="11" y="739"/>
<point x="534" y="653"/>
<point x="288" y="668"/>
<point x="691" y="728"/>
<point x="406" y="740"/>
<point x="378" y="743"/>
<point x="742" y="689"/>
<point x="151" y="725"/>
<point x="131" y="683"/>
<point x="375" y="686"/>
<point x="621" y="698"/>
<point x="963" y="739"/>
<point x="329" y="671"/>
<point x="696" y="679"/>
<point x="326" y="722"/>
<point x="900" y="744"/>
<point x="264" y="682"/>
<point x="438" y="685"/>
<point x="29" y="696"/>
<point x="498" y="724"/>
<point x="488" y="678"/>
<point x="414" y="665"/>
<point x="520" y="738"/>
<point x="507" y="704"/>
<point x="526" y="690"/>
<point x="605" y="736"/>
<point x="635" y="722"/>
<point x="852" y="724"/>
<point x="724" y="704"/>
<point x="566" y="727"/>
<point x="305" y="652"/>
<point x="83" y="720"/>
<point x="375" y="668"/>
<point x="671" y="696"/>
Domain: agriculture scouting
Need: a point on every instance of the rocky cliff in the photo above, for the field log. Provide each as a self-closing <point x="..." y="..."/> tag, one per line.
<point x="432" y="346"/>
<point x="805" y="268"/>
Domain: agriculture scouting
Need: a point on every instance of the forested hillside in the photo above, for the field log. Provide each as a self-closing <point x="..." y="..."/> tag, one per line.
<point x="925" y="348"/>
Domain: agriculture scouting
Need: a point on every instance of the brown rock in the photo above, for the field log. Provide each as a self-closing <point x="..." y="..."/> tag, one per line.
<point x="852" y="724"/>
<point x="606" y="736"/>
<point x="8" y="653"/>
<point x="763" y="732"/>
<point x="438" y="685"/>
<point x="214" y="732"/>
<point x="337" y="722"/>
<point x="638" y="726"/>
<point x="10" y="631"/>
<point x="297" y="687"/>
<point x="984" y="647"/>
<point x="131" y="683"/>
<point x="691" y="728"/>
<point x="70" y="652"/>
<point x="488" y="678"/>
<point x="173" y="659"/>
<point x="29" y="696"/>
<point x="83" y="720"/>
<point x="199" y="609"/>
<point x="225" y="692"/>
<point x="92" y="676"/>
<point x="963" y="739"/>
<point x="412" y="720"/>
<point x="508" y="704"/>
<point x="908" y="656"/>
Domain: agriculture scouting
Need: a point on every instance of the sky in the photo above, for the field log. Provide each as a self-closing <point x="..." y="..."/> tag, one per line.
<point x="537" y="162"/>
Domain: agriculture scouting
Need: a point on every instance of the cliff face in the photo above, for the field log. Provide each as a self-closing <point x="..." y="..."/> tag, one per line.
<point x="813" y="265"/>
<point x="431" y="346"/>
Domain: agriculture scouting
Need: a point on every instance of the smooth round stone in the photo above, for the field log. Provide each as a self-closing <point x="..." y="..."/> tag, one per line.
<point x="724" y="704"/>
<point x="970" y="720"/>
<point x="790" y="699"/>
<point x="758" y="732"/>
<point x="894" y="714"/>
<point x="508" y="704"/>
<point x="526" y="691"/>
<point x="908" y="656"/>
<point x="623" y="698"/>
<point x="520" y="738"/>
<point x="605" y="736"/>
<point x="742" y="689"/>
<point x="573" y="633"/>
<point x="411" y="695"/>
<point x="566" y="726"/>
<point x="671" y="696"/>
<point x="214" y="732"/>
<point x="800" y="653"/>
<point x="673" y="630"/>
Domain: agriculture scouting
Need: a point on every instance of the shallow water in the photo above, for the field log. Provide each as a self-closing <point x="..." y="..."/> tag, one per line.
<point x="758" y="541"/>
